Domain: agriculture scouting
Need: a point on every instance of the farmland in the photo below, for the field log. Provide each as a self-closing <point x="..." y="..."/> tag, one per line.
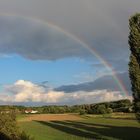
<point x="76" y="127"/>
<point x="50" y="117"/>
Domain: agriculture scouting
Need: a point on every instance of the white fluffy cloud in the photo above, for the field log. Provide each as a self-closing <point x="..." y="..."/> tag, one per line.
<point x="26" y="91"/>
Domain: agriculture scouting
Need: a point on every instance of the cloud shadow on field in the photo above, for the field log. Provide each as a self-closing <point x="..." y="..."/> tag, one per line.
<point x="68" y="129"/>
<point x="94" y="130"/>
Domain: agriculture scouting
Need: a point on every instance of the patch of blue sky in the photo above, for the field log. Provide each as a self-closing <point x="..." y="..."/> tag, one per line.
<point x="57" y="72"/>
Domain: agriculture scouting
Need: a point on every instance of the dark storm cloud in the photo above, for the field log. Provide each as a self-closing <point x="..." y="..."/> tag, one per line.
<point x="102" y="24"/>
<point x="37" y="41"/>
<point x="105" y="82"/>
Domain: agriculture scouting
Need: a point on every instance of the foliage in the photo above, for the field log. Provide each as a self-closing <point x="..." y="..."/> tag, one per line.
<point x="82" y="112"/>
<point x="134" y="64"/>
<point x="109" y="110"/>
<point x="24" y="136"/>
<point x="8" y="127"/>
<point x="98" y="108"/>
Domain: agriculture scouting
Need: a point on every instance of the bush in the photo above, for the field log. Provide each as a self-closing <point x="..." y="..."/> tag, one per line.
<point x="109" y="110"/>
<point x="8" y="125"/>
<point x="122" y="109"/>
<point x="9" y="129"/>
<point x="24" y="136"/>
<point x="82" y="112"/>
<point x="4" y="136"/>
<point x="101" y="109"/>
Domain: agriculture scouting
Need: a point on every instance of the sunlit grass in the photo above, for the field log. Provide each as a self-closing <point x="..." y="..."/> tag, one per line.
<point x="93" y="127"/>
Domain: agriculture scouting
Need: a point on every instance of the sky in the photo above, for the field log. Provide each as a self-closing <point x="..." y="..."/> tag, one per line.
<point x="64" y="52"/>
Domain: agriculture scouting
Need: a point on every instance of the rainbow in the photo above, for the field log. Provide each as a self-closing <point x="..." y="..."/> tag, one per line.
<point x="83" y="44"/>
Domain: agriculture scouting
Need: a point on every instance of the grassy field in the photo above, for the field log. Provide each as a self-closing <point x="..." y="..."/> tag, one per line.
<point x="89" y="127"/>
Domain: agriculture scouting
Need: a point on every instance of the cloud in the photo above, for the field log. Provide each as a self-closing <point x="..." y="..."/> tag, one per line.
<point x="104" y="82"/>
<point x="35" y="40"/>
<point x="101" y="24"/>
<point x="95" y="96"/>
<point x="28" y="92"/>
<point x="105" y="30"/>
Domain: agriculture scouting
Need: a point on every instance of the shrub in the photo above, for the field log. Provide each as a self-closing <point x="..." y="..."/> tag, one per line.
<point x="9" y="129"/>
<point x="109" y="110"/>
<point x="101" y="109"/>
<point x="82" y="112"/>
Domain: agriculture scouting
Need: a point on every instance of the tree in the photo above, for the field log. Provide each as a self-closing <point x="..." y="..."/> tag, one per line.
<point x="101" y="109"/>
<point x="134" y="64"/>
<point x="8" y="125"/>
<point x="82" y="112"/>
<point x="9" y="129"/>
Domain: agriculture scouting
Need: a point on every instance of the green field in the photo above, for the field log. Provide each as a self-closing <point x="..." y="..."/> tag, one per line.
<point x="90" y="128"/>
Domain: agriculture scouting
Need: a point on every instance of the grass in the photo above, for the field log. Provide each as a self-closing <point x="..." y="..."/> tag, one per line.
<point x="21" y="116"/>
<point x="91" y="128"/>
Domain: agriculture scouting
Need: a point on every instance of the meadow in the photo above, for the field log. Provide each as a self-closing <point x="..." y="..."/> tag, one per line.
<point x="116" y="126"/>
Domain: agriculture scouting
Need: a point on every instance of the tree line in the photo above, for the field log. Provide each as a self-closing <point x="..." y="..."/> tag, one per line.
<point x="8" y="124"/>
<point x="98" y="108"/>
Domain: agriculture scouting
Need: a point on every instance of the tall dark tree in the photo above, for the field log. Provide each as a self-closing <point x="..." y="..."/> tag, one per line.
<point x="134" y="64"/>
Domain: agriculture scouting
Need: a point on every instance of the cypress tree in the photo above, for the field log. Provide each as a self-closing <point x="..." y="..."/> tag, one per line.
<point x="134" y="64"/>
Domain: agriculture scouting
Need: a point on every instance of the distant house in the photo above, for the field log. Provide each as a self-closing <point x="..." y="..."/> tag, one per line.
<point x="30" y="111"/>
